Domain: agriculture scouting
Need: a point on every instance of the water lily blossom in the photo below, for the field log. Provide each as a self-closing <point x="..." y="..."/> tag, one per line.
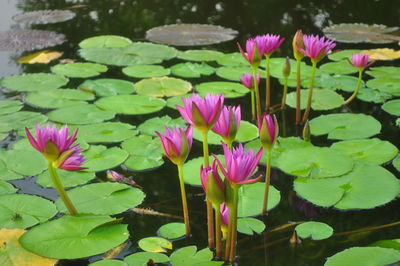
<point x="316" y="47"/>
<point x="298" y="44"/>
<point x="252" y="53"/>
<point x="228" y="123"/>
<point x="268" y="43"/>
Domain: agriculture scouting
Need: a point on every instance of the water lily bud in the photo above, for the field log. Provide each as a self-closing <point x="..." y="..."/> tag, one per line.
<point x="306" y="132"/>
<point x="286" y="68"/>
<point x="177" y="143"/>
<point x="297" y="44"/>
<point x="212" y="184"/>
<point x="228" y="123"/>
<point x="268" y="130"/>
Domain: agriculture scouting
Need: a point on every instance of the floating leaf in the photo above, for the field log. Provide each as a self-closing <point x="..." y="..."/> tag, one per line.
<point x="392" y="243"/>
<point x="24" y="162"/>
<point x="374" y="151"/>
<point x="44" y="16"/>
<point x="108" y="262"/>
<point x="364" y="256"/>
<point x="172" y="230"/>
<point x="79" y="70"/>
<point x="323" y="99"/>
<point x="232" y="59"/>
<point x="315" y="230"/>
<point x="43" y="57"/>
<point x="106" y="132"/>
<point x="33" y="82"/>
<point x="345" y="126"/>
<point x="105" y="41"/>
<point x="396" y="163"/>
<point x="190" y="34"/>
<point x="22" y="210"/>
<point x="100" y="158"/>
<point x="131" y="104"/>
<point x="190" y="256"/>
<point x="372" y="95"/>
<point x="103" y="198"/>
<point x="67" y="178"/>
<point x="173" y="101"/>
<point x="384" y="72"/>
<point x="155" y="244"/>
<point x="359" y="32"/>
<point x="107" y="87"/>
<point x="146" y="71"/>
<point x="6" y="188"/>
<point x="229" y="89"/>
<point x="162" y="87"/>
<point x="250" y="225"/>
<point x="339" y="67"/>
<point x="235" y="73"/>
<point x="58" y="98"/>
<point x="383" y="54"/>
<point x="343" y="55"/>
<point x="80" y="114"/>
<point x="392" y="107"/>
<point x="200" y="55"/>
<point x="20" y="120"/>
<point x="192" y="70"/>
<point x="11" y="252"/>
<point x="353" y="190"/>
<point x="71" y="237"/>
<point x="142" y="258"/>
<point x="191" y="170"/>
<point x="388" y="85"/>
<point x="150" y="126"/>
<point x="10" y="106"/>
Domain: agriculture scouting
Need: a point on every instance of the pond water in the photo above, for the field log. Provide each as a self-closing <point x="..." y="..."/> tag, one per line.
<point x="132" y="19"/>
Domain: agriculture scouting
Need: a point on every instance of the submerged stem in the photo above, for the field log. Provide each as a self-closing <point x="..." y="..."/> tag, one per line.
<point x="184" y="201"/>
<point x="357" y="88"/>
<point x="298" y="87"/>
<point x="310" y="92"/>
<point x="267" y="182"/>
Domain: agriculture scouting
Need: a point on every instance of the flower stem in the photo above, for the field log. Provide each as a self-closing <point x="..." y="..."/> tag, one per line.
<point x="233" y="221"/>
<point x="218" y="231"/>
<point x="268" y="83"/>
<point x="257" y="92"/>
<point x="310" y="92"/>
<point x="184" y="201"/>
<point x="357" y="88"/>
<point x="298" y="87"/>
<point x="267" y="181"/>
<point x="285" y="86"/>
<point x="60" y="189"/>
<point x="253" y="106"/>
<point x="228" y="238"/>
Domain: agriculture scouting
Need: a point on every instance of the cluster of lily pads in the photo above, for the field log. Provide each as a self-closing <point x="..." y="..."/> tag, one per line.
<point x="346" y="175"/>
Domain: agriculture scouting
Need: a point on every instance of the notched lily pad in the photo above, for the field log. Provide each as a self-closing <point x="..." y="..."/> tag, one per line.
<point x="229" y="89"/>
<point x="10" y="106"/>
<point x="392" y="107"/>
<point x="192" y="70"/>
<point x="79" y="70"/>
<point x="106" y="132"/>
<point x="100" y="158"/>
<point x="58" y="98"/>
<point x="155" y="244"/>
<point x="315" y="230"/>
<point x="150" y="126"/>
<point x="105" y="41"/>
<point x="190" y="256"/>
<point x="80" y="114"/>
<point x="33" y="82"/>
<point x="172" y="230"/>
<point x="323" y="99"/>
<point x="364" y="256"/>
<point x="162" y="87"/>
<point x="44" y="16"/>
<point x="142" y="258"/>
<point x="249" y="226"/>
<point x="385" y="84"/>
<point x="199" y="55"/>
<point x="6" y="188"/>
<point x="146" y="71"/>
<point x="67" y="178"/>
<point x="107" y="87"/>
<point x="383" y="54"/>
<point x="131" y="104"/>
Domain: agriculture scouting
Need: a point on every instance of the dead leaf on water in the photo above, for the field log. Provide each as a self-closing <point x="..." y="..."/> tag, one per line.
<point x="43" y="57"/>
<point x="383" y="54"/>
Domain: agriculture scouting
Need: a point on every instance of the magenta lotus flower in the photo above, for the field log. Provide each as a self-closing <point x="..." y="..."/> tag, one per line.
<point x="228" y="123"/>
<point x="177" y="143"/>
<point x="212" y="184"/>
<point x="224" y="211"/>
<point x="56" y="147"/>
<point x="248" y="82"/>
<point x="252" y="53"/>
<point x="240" y="165"/>
<point x="360" y="61"/>
<point x="268" y="43"/>
<point x="268" y="130"/>
<point x="316" y="47"/>
<point x="202" y="113"/>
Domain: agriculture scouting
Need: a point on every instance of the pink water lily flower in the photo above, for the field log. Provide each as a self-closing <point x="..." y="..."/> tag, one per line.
<point x="240" y="165"/>
<point x="212" y="184"/>
<point x="177" y="143"/>
<point x="56" y="147"/>
<point x="248" y="82"/>
<point x="202" y="113"/>
<point x="268" y="43"/>
<point x="316" y="47"/>
<point x="360" y="61"/>
<point x="268" y="130"/>
<point x="252" y="53"/>
<point x="224" y="211"/>
<point x="228" y="123"/>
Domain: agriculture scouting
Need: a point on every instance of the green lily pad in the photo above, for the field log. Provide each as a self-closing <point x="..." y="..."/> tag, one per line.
<point x="315" y="162"/>
<point x="173" y="101"/>
<point x="353" y="190"/>
<point x="5" y="173"/>
<point x="232" y="59"/>
<point x="142" y="258"/>
<point x="81" y="114"/>
<point x="315" y="230"/>
<point x="323" y="99"/>
<point x="384" y="72"/>
<point x="374" y="151"/>
<point x="144" y="151"/>
<point x="109" y="262"/>
<point x="6" y="188"/>
<point x="172" y="230"/>
<point x="277" y="64"/>
<point x="364" y="256"/>
<point x="131" y="104"/>
<point x="392" y="107"/>
<point x="24" y="162"/>
<point x="106" y="132"/>
<point x="103" y="198"/>
<point x="391" y="243"/>
<point x="338" y="67"/>
<point x="150" y="126"/>
<point x="79" y="70"/>
<point x="190" y="256"/>
<point x="10" y="106"/>
<point x="162" y="87"/>
<point x="388" y="85"/>
<point x="191" y="170"/>
<point x="67" y="178"/>
<point x="249" y="226"/>
<point x="155" y="244"/>
<point x="192" y="70"/>
<point x="33" y="82"/>
<point x="343" y="82"/>
<point x="20" y="120"/>
<point x="229" y="89"/>
<point x="58" y="98"/>
<point x="235" y="73"/>
<point x="105" y="41"/>
<point x="345" y="126"/>
<point x="372" y="95"/>
<point x="251" y="199"/>
<point x="200" y="55"/>
<point x="145" y="71"/>
<point x="107" y="87"/>
<point x="71" y="237"/>
<point x="100" y="158"/>
<point x="342" y="55"/>
<point x="22" y="210"/>
<point x="396" y="163"/>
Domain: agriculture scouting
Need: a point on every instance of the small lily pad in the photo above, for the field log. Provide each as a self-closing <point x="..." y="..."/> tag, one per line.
<point x="338" y="67"/>
<point x="80" y="114"/>
<point x="58" y="98"/>
<point x="232" y="59"/>
<point x="190" y="256"/>
<point x="20" y="120"/>
<point x="343" y="55"/>
<point x="162" y="87"/>
<point x="173" y="101"/>
<point x="150" y="126"/>
<point x="100" y="158"/>
<point x="109" y="262"/>
<point x="396" y="163"/>
<point x="192" y="70"/>
<point x="79" y="70"/>
<point x="323" y="99"/>
<point x="105" y="41"/>
<point x="67" y="178"/>
<point x="155" y="244"/>
<point x="33" y="82"/>
<point x="345" y="126"/>
<point x="172" y="230"/>
<point x="10" y="106"/>
<point x="131" y="104"/>
<point x="107" y="87"/>
<point x="235" y="73"/>
<point x="191" y="170"/>
<point x="373" y="95"/>
<point x="315" y="230"/>
<point x="364" y="256"/>
<point x="142" y="258"/>
<point x="384" y="72"/>
<point x="391" y="243"/>
<point x="392" y="107"/>
<point x="388" y="85"/>
<point x="145" y="71"/>
<point x="106" y="132"/>
<point x="249" y="226"/>
<point x="6" y="188"/>
<point x="229" y="89"/>
<point x="200" y="55"/>
<point x="5" y="173"/>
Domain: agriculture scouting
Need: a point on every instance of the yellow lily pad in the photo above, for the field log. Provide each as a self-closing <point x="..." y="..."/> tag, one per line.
<point x="383" y="54"/>
<point x="43" y="57"/>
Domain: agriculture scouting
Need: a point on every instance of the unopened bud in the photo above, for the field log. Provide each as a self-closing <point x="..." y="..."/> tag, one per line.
<point x="306" y="132"/>
<point x="297" y="44"/>
<point x="286" y="68"/>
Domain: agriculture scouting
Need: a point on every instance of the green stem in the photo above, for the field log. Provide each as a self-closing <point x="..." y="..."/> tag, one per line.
<point x="267" y="182"/>
<point x="285" y="86"/>
<point x="233" y="220"/>
<point x="298" y="87"/>
<point x="253" y="106"/>
<point x="205" y="149"/>
<point x="310" y="92"/>
<point x="357" y="88"/>
<point x="268" y="83"/>
<point x="218" y="230"/>
<point x="257" y="92"/>
<point x="228" y="238"/>
<point x="184" y="201"/>
<point x="60" y="189"/>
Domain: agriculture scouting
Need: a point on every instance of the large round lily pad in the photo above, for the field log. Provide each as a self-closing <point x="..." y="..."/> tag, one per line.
<point x="105" y="41"/>
<point x="162" y="87"/>
<point x="323" y="99"/>
<point x="80" y="114"/>
<point x="131" y="104"/>
<point x="106" y="132"/>
<point x="392" y="107"/>
<point x="150" y="126"/>
<point x="192" y="70"/>
<point x="345" y="126"/>
<point x="20" y="120"/>
<point x="364" y="256"/>
<point x="190" y="34"/>
<point x="67" y="178"/>
<point x="229" y="89"/>
<point x="200" y="55"/>
<point x="58" y="98"/>
<point x="107" y="87"/>
<point x="79" y="70"/>
<point x="146" y="71"/>
<point x="33" y="82"/>
<point x="386" y="84"/>
<point x="71" y="237"/>
<point x="22" y="210"/>
<point x="24" y="162"/>
<point x="367" y="186"/>
<point x="103" y="198"/>
<point x="315" y="230"/>
<point x="100" y="158"/>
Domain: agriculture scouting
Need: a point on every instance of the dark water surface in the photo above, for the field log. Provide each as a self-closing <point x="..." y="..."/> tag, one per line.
<point x="131" y="19"/>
